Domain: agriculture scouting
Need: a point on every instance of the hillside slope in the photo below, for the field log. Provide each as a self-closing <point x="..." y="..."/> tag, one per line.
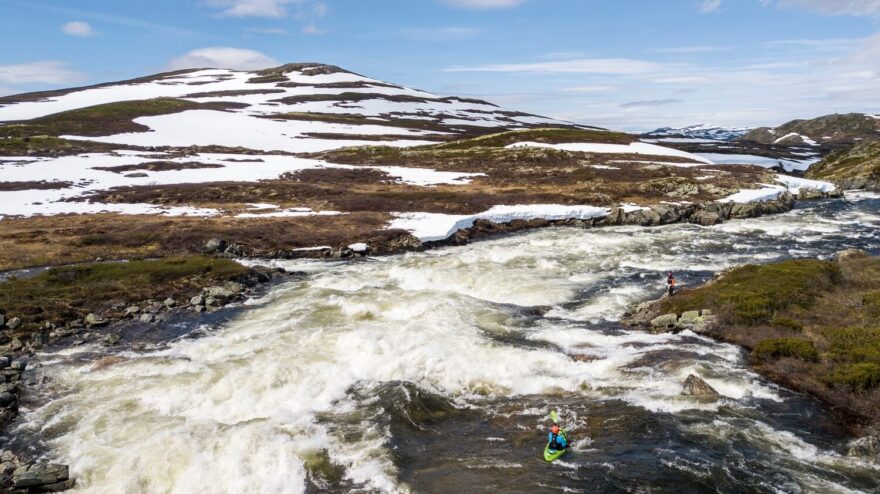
<point x="828" y="131"/>
<point x="857" y="167"/>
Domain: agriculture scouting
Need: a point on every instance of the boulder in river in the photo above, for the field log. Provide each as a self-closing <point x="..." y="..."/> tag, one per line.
<point x="13" y="323"/>
<point x="696" y="386"/>
<point x="865" y="447"/>
<point x="39" y="474"/>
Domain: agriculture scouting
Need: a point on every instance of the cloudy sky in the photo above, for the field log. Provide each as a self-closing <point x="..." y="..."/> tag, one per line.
<point x="624" y="64"/>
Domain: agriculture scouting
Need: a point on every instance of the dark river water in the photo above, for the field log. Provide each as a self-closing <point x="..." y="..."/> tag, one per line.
<point x="432" y="373"/>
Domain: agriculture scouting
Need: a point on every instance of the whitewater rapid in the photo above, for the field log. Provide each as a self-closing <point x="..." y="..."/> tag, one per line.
<point x="434" y="372"/>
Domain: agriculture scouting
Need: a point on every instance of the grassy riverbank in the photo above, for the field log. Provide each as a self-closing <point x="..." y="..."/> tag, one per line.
<point x="810" y="325"/>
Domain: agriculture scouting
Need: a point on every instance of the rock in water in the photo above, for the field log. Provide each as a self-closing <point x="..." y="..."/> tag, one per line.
<point x="13" y="323"/>
<point x="696" y="386"/>
<point x="664" y="323"/>
<point x="865" y="447"/>
<point x="92" y="320"/>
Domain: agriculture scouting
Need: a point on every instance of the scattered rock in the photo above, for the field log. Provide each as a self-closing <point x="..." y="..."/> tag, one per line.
<point x="706" y="218"/>
<point x="4" y="362"/>
<point x="18" y="364"/>
<point x="197" y="300"/>
<point x="7" y="399"/>
<point x="146" y="318"/>
<point x="38" y="474"/>
<point x="131" y="311"/>
<point x="689" y="318"/>
<point x="137" y="175"/>
<point x="16" y="345"/>
<point x="696" y="386"/>
<point x="13" y="323"/>
<point x="170" y="302"/>
<point x="2" y="320"/>
<point x="111" y="339"/>
<point x="226" y="292"/>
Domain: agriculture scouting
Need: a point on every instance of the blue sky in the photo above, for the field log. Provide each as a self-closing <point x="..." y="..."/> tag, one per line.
<point x="624" y="64"/>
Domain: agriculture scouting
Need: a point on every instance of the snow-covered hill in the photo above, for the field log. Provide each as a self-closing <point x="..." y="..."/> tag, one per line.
<point x="705" y="132"/>
<point x="295" y="108"/>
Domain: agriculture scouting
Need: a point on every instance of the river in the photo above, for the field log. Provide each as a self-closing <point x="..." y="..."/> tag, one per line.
<point x="434" y="372"/>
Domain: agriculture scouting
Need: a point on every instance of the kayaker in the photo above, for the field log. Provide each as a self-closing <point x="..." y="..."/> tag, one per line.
<point x="556" y="440"/>
<point x="670" y="283"/>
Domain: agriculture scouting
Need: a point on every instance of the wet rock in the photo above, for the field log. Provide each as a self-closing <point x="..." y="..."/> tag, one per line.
<point x="146" y="318"/>
<point x="7" y="399"/>
<point x="665" y="322"/>
<point x="111" y="339"/>
<point x="18" y="364"/>
<point x="7" y="456"/>
<point x="93" y="320"/>
<point x="13" y="323"/>
<point x="704" y="324"/>
<point x="16" y="345"/>
<point x="154" y="308"/>
<point x="807" y="194"/>
<point x="198" y="309"/>
<point x="847" y="254"/>
<point x="213" y="302"/>
<point x="215" y="245"/>
<point x="169" y="302"/>
<point x="131" y="311"/>
<point x="197" y="300"/>
<point x="696" y="386"/>
<point x="4" y="362"/>
<point x="2" y="320"/>
<point x="39" y="474"/>
<point x="865" y="447"/>
<point x="6" y="468"/>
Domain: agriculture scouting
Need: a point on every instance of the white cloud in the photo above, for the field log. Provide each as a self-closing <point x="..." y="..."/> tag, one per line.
<point x="46" y="72"/>
<point x="709" y="6"/>
<point x="252" y="8"/>
<point x="222" y="57"/>
<point x="312" y="29"/>
<point x="835" y="7"/>
<point x="78" y="28"/>
<point x="482" y="4"/>
<point x="652" y="102"/>
<point x="442" y="33"/>
<point x="582" y="66"/>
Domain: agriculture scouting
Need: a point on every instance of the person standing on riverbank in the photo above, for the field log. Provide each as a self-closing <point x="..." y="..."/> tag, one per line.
<point x="670" y="284"/>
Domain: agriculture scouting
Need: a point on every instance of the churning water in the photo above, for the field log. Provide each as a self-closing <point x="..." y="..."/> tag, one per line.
<point x="434" y="372"/>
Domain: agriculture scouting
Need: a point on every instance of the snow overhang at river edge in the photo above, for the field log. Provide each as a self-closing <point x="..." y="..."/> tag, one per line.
<point x="432" y="227"/>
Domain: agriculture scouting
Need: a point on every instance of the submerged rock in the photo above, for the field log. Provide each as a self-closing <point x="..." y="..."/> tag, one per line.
<point x="696" y="386"/>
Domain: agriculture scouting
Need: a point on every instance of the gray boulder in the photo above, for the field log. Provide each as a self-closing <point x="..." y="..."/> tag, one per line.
<point x="6" y="399"/>
<point x="696" y="386"/>
<point x="13" y="323"/>
<point x="706" y="218"/>
<point x="2" y="320"/>
<point x="228" y="291"/>
<point x="146" y="317"/>
<point x="4" y="362"/>
<point x="215" y="245"/>
<point x="131" y="311"/>
<point x="18" y="364"/>
<point x="689" y="318"/>
<point x="847" y="254"/>
<point x="664" y="322"/>
<point x="39" y="474"/>
<point x="111" y="339"/>
<point x="197" y="300"/>
<point x="170" y="302"/>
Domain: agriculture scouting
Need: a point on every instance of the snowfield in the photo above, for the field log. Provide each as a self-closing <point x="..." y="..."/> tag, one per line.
<point x="762" y="161"/>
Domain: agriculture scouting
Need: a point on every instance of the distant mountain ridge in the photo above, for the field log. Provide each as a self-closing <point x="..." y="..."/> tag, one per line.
<point x="701" y="131"/>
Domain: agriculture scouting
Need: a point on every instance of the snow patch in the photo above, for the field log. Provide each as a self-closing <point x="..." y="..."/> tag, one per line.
<point x="429" y="227"/>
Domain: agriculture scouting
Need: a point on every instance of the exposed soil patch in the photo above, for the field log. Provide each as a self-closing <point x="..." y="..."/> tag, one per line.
<point x="41" y="185"/>
<point x="157" y="166"/>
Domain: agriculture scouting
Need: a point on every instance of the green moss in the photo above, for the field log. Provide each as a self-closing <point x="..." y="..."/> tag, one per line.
<point x="42" y="144"/>
<point x="753" y="294"/>
<point x="857" y="377"/>
<point x="73" y="291"/>
<point x="787" y="323"/>
<point x="871" y="305"/>
<point x="854" y="345"/>
<point x="547" y="135"/>
<point x="774" y="348"/>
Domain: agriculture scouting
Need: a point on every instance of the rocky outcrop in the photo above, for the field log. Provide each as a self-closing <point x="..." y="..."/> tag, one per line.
<point x="867" y="447"/>
<point x="857" y="167"/>
<point x="648" y="315"/>
<point x="696" y="386"/>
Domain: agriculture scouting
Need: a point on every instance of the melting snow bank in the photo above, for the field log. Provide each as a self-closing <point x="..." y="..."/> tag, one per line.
<point x="633" y="148"/>
<point x="771" y="192"/>
<point x="431" y="227"/>
<point x="762" y="161"/>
